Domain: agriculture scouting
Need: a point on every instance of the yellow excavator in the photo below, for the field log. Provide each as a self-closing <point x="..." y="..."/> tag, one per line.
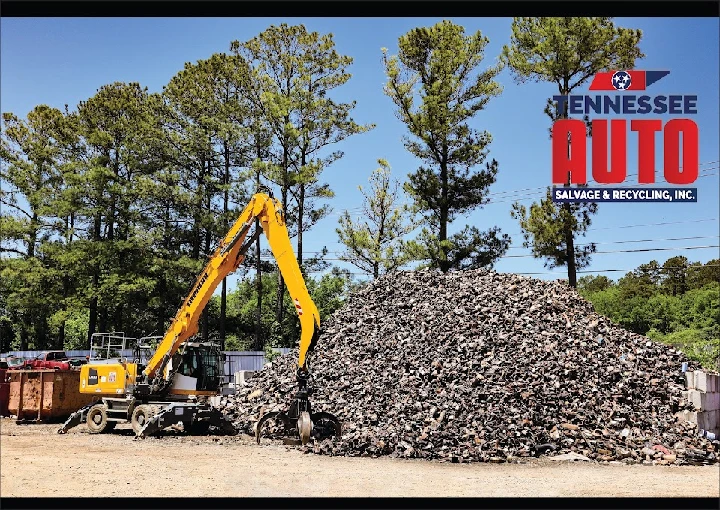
<point x="175" y="384"/>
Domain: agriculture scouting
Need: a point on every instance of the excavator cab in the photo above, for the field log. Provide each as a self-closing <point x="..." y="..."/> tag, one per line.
<point x="204" y="362"/>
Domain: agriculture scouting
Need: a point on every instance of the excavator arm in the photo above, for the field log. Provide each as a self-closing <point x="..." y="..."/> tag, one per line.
<point x="225" y="260"/>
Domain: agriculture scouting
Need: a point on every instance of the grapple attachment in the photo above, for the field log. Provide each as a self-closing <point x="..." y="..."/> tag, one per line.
<point x="299" y="421"/>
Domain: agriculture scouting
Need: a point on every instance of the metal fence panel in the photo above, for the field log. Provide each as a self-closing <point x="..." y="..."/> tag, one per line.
<point x="234" y="360"/>
<point x="125" y="353"/>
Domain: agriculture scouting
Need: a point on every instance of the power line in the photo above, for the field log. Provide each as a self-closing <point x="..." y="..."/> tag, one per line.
<point x="355" y="273"/>
<point x="533" y="196"/>
<point x="700" y="169"/>
<point x="517" y="247"/>
<point x="630" y="251"/>
<point x="645" y="240"/>
<point x="523" y="191"/>
<point x="521" y="195"/>
<point x="268" y="259"/>
<point x="335" y="252"/>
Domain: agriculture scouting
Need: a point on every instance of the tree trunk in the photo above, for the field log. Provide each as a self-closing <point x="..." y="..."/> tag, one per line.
<point x="119" y="318"/>
<point x="301" y="212"/>
<point x="32" y="240"/>
<point x="161" y="321"/>
<point x="226" y="195"/>
<point x="259" y="344"/>
<point x="93" y="308"/>
<point x="60" y="344"/>
<point x="23" y="339"/>
<point x="444" y="263"/>
<point x="567" y="217"/>
<point x="208" y="238"/>
<point x="301" y="204"/>
<point x="570" y="247"/>
<point x="206" y="313"/>
<point x="223" y="312"/>
<point x="281" y="282"/>
<point x="103" y="320"/>
<point x="197" y="234"/>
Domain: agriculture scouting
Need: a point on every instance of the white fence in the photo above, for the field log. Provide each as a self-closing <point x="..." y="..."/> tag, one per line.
<point x="234" y="360"/>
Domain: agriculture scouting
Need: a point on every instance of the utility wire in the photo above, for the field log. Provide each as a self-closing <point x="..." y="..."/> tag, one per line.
<point x="355" y="273"/>
<point x="535" y="195"/>
<point x="629" y="251"/>
<point x="607" y="228"/>
<point x="268" y="259"/>
<point x="644" y="241"/>
<point x="519" y="195"/>
<point x="700" y="169"/>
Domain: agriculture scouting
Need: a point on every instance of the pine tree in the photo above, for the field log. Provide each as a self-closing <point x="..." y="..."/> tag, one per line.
<point x="374" y="243"/>
<point x="567" y="52"/>
<point x="440" y="63"/>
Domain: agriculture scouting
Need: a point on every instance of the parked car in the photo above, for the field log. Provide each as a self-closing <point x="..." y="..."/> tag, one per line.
<point x="12" y="362"/>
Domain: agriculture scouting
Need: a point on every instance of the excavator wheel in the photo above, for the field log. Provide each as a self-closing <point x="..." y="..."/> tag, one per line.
<point x="304" y="427"/>
<point x="97" y="419"/>
<point x="140" y="416"/>
<point x="324" y="423"/>
<point x="277" y="416"/>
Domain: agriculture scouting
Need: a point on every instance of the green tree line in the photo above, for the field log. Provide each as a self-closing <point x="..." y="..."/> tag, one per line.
<point x="110" y="209"/>
<point x="677" y="303"/>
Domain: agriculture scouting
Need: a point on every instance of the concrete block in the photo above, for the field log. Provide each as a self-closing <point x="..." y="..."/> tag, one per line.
<point x="690" y="380"/>
<point x="713" y="381"/>
<point x="708" y="420"/>
<point x="701" y="380"/>
<point x="242" y="376"/>
<point x="712" y="401"/>
<point x="696" y="398"/>
<point x="704" y="401"/>
<point x="687" y="416"/>
<point x="709" y="383"/>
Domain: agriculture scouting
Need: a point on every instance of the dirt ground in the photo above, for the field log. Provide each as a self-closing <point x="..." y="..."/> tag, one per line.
<point x="35" y="461"/>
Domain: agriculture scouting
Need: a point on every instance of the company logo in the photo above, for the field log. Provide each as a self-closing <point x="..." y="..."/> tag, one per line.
<point x="622" y="93"/>
<point x="626" y="80"/>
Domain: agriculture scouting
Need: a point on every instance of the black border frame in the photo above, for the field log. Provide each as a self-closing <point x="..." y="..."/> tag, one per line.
<point x="358" y="8"/>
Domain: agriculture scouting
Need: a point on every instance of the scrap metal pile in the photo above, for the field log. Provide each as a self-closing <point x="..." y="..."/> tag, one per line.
<point x="481" y="366"/>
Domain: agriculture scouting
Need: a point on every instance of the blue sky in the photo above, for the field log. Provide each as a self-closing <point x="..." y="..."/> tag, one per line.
<point x="58" y="61"/>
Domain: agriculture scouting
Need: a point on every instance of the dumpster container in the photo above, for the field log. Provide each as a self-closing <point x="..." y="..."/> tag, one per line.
<point x="4" y="393"/>
<point x="41" y="395"/>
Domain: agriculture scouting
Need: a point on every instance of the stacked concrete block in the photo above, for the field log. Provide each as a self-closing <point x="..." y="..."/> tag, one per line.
<point x="703" y="392"/>
<point x="242" y="376"/>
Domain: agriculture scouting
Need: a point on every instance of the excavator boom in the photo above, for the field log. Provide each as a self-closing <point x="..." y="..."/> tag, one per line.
<point x="227" y="257"/>
<point x="156" y="399"/>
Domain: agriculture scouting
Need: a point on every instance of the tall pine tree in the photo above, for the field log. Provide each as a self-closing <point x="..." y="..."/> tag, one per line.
<point x="440" y="63"/>
<point x="566" y="52"/>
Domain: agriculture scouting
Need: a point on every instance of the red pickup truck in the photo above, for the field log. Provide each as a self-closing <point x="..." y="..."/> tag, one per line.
<point x="52" y="360"/>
